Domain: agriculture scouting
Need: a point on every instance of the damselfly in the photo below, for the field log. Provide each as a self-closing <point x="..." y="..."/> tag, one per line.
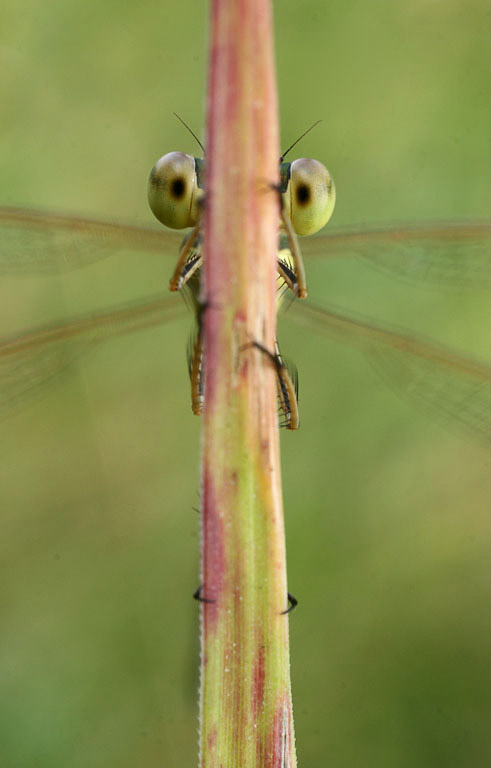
<point x="307" y="197"/>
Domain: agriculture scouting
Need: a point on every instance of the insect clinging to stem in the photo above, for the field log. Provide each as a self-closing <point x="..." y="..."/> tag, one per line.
<point x="176" y="189"/>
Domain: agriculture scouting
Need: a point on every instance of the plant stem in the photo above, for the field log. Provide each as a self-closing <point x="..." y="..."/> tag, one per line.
<point x="246" y="715"/>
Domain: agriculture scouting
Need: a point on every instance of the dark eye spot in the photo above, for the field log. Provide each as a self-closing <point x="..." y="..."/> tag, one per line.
<point x="178" y="188"/>
<point x="303" y="194"/>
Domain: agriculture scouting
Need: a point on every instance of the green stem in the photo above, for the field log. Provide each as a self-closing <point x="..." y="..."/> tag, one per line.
<point x="246" y="715"/>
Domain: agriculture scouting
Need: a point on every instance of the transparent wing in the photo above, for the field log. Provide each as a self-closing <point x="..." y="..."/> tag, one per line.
<point x="452" y="254"/>
<point x="34" y="243"/>
<point x="29" y="361"/>
<point x="454" y="387"/>
<point x="446" y="253"/>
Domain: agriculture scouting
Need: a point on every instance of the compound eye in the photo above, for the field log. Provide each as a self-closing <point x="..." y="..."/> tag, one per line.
<point x="310" y="196"/>
<point x="172" y="191"/>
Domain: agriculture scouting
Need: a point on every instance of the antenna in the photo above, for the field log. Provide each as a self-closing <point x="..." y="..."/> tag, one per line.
<point x="297" y="140"/>
<point x="192" y="132"/>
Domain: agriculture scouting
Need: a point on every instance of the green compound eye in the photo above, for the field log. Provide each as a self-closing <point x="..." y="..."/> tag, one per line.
<point x="310" y="196"/>
<point x="173" y="192"/>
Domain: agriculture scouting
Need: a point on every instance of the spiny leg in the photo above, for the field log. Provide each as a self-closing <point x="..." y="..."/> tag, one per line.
<point x="300" y="285"/>
<point x="288" y="275"/>
<point x="294" y="278"/>
<point x="287" y="393"/>
<point x="195" y="352"/>
<point x="181" y="275"/>
<point x="196" y="370"/>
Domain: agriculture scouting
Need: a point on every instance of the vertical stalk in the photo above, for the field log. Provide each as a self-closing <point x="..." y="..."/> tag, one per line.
<point x="246" y="714"/>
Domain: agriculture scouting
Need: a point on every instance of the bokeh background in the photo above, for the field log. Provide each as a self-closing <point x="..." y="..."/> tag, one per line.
<point x="386" y="509"/>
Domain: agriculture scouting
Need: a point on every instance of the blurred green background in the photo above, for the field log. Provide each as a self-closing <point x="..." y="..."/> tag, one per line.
<point x="386" y="509"/>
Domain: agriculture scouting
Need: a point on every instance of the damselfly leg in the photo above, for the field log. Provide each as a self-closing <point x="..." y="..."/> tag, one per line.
<point x="287" y="385"/>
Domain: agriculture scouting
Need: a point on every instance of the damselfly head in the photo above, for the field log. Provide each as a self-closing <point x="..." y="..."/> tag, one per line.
<point x="308" y="191"/>
<point x="309" y="194"/>
<point x="173" y="192"/>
